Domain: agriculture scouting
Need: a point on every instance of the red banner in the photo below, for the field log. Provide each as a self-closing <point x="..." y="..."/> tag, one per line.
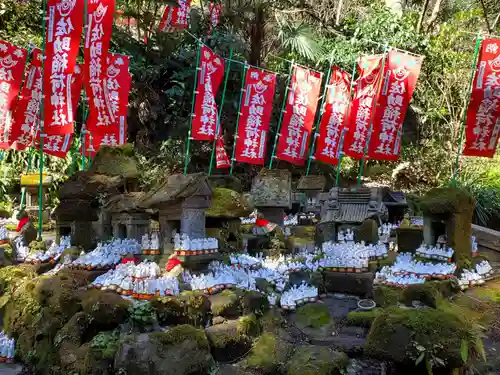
<point x="401" y="72"/>
<point x="64" y="29"/>
<point x="99" y="29"/>
<point x="57" y="145"/>
<point x="215" y="12"/>
<point x="12" y="61"/>
<point x="210" y="73"/>
<point x="221" y="159"/>
<point x="117" y="87"/>
<point x="176" y="17"/>
<point x="299" y="115"/>
<point x="334" y="117"/>
<point x="255" y="114"/>
<point x="362" y="106"/>
<point x="482" y="129"/>
<point x="27" y="112"/>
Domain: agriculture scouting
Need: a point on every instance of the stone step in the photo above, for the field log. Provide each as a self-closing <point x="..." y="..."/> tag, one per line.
<point x="348" y="344"/>
<point x="10" y="369"/>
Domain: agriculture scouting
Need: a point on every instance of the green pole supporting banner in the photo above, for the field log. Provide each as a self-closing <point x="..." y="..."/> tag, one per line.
<point x="362" y="161"/>
<point x="464" y="119"/>
<point x="83" y="130"/>
<point x="42" y="135"/>
<point x="186" y="161"/>
<point x="217" y="124"/>
<point x="318" y="121"/>
<point x="245" y="67"/>
<point x="292" y="64"/>
<point x="341" y="144"/>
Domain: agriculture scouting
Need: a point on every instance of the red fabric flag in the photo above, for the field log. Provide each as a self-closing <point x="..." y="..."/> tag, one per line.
<point x="299" y="115"/>
<point x="64" y="29"/>
<point x="27" y="113"/>
<point x="55" y="145"/>
<point x="482" y="129"/>
<point x="99" y="29"/>
<point x="334" y="117"/>
<point x="221" y="159"/>
<point x="176" y="17"/>
<point x="12" y="61"/>
<point x="211" y="71"/>
<point x="76" y="86"/>
<point x="400" y="78"/>
<point x="362" y="106"/>
<point x="215" y="12"/>
<point x="255" y="115"/>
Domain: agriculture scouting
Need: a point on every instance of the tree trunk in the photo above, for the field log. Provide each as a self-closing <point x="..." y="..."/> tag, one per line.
<point x="339" y="12"/>
<point x="257" y="36"/>
<point x="422" y="15"/>
<point x="435" y="13"/>
<point x="396" y="6"/>
<point x="485" y="14"/>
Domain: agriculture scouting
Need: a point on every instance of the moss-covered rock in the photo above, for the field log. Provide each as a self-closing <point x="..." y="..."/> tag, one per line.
<point x="446" y="201"/>
<point x="249" y="325"/>
<point x="182" y="350"/>
<point x="106" y="310"/>
<point x="225" y="304"/>
<point x="272" y="321"/>
<point x="397" y="334"/>
<point x="228" y="203"/>
<point x="363" y="318"/>
<point x="227" y="341"/>
<point x="367" y="231"/>
<point x="116" y="161"/>
<point x="268" y="355"/>
<point x="313" y="315"/>
<point x="188" y="308"/>
<point x="254" y="302"/>
<point x="386" y="296"/>
<point x="316" y="360"/>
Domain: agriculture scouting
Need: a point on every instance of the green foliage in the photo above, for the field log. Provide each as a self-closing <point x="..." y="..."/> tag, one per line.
<point x="106" y="342"/>
<point x="313" y="315"/>
<point x="141" y="314"/>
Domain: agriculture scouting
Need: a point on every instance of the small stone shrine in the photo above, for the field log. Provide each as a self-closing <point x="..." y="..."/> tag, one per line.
<point x="271" y="194"/>
<point x="126" y="218"/>
<point x="31" y="183"/>
<point x="448" y="216"/>
<point x="396" y="204"/>
<point x="311" y="188"/>
<point x="181" y="202"/>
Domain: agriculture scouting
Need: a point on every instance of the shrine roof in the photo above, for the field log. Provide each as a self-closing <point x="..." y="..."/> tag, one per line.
<point x="125" y="202"/>
<point x="87" y="185"/>
<point x="272" y="188"/>
<point x="75" y="210"/>
<point x="350" y="213"/>
<point x="178" y="187"/>
<point x="312" y="182"/>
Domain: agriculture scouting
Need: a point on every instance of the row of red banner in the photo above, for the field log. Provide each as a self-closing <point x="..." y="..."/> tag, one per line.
<point x="381" y="97"/>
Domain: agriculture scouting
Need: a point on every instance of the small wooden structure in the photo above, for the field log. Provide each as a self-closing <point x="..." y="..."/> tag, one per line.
<point x="396" y="204"/>
<point x="271" y="194"/>
<point x="310" y="188"/>
<point x="31" y="184"/>
<point x="127" y="219"/>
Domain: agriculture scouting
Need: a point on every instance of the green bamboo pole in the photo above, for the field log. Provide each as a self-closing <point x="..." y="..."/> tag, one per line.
<point x="245" y="67"/>
<point x="217" y="124"/>
<point x="318" y="121"/>
<point x="83" y="130"/>
<point x="344" y="130"/>
<point x="362" y="161"/>
<point x="193" y="98"/>
<point x="42" y="135"/>
<point x="479" y="39"/>
<point x="292" y="64"/>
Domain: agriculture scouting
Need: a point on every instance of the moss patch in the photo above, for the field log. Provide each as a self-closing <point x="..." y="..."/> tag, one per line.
<point x="268" y="354"/>
<point x="178" y="334"/>
<point x="446" y="201"/>
<point x="248" y="325"/>
<point x="386" y="296"/>
<point x="228" y="203"/>
<point x="314" y="315"/>
<point x="254" y="302"/>
<point x="116" y="161"/>
<point x="363" y="318"/>
<point x="314" y="360"/>
<point x="189" y="308"/>
<point x="226" y="304"/>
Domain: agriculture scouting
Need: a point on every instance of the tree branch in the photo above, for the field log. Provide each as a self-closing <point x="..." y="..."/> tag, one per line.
<point x="485" y="14"/>
<point x="422" y="16"/>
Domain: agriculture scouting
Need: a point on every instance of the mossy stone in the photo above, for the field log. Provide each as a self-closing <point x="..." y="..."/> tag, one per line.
<point x="367" y="231"/>
<point x="227" y="341"/>
<point x="225" y="304"/>
<point x="386" y="296"/>
<point x="316" y="360"/>
<point x="363" y="318"/>
<point x="268" y="355"/>
<point x="446" y="201"/>
<point x="106" y="310"/>
<point x="228" y="203"/>
<point x="188" y="308"/>
<point x="254" y="302"/>
<point x="272" y="321"/>
<point x="313" y="315"/>
<point x="396" y="333"/>
<point x="249" y="325"/>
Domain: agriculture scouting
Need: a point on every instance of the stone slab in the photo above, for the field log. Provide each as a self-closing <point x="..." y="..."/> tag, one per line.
<point x="486" y="237"/>
<point x="359" y="284"/>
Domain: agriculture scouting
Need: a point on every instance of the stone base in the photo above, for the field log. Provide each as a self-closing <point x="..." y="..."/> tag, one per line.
<point x="359" y="284"/>
<point x="197" y="262"/>
<point x="325" y="232"/>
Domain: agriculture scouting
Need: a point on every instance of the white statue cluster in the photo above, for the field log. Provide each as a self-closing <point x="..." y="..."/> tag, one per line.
<point x="107" y="255"/>
<point x="354" y="250"/>
<point x="22" y="251"/>
<point x="474" y="246"/>
<point x="7" y="348"/>
<point x="387" y="278"/>
<point x="244" y="260"/>
<point x="150" y="244"/>
<point x="195" y="246"/>
<point x="142" y="281"/>
<point x="384" y="231"/>
<point x="406" y="265"/>
<point x="248" y="220"/>
<point x="291" y="220"/>
<point x="470" y="278"/>
<point x="345" y="236"/>
<point x="435" y="252"/>
<point x="298" y="295"/>
<point x="4" y="233"/>
<point x="12" y="220"/>
<point x="52" y="254"/>
<point x="417" y="221"/>
<point x="484" y="268"/>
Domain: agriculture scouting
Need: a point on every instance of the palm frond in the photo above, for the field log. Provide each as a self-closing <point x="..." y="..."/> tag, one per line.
<point x="298" y="38"/>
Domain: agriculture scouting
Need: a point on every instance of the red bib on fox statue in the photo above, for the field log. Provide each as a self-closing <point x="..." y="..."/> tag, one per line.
<point x="262" y="226"/>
